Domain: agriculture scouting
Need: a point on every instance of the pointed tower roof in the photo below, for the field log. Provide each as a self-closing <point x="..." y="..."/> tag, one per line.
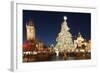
<point x="79" y="34"/>
<point x="80" y="37"/>
<point x="30" y="23"/>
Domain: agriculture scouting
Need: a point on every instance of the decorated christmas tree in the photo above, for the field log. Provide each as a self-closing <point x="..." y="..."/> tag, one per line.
<point x="64" y="39"/>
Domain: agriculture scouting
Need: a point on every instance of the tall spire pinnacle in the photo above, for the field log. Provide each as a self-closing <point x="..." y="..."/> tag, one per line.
<point x="30" y="23"/>
<point x="79" y="34"/>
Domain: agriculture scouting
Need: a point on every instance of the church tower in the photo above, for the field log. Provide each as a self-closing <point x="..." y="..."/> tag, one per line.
<point x="30" y="30"/>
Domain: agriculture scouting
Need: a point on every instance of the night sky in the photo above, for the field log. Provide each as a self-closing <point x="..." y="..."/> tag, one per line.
<point x="48" y="24"/>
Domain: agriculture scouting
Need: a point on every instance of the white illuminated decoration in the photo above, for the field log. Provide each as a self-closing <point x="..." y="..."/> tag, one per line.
<point x="65" y="18"/>
<point x="64" y="39"/>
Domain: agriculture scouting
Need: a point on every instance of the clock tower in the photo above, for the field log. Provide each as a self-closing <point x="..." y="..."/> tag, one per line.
<point x="30" y="30"/>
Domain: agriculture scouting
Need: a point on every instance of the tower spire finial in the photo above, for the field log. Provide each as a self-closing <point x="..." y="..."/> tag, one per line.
<point x="79" y="34"/>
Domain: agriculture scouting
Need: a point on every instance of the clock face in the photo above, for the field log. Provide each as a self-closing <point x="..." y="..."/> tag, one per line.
<point x="30" y="30"/>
